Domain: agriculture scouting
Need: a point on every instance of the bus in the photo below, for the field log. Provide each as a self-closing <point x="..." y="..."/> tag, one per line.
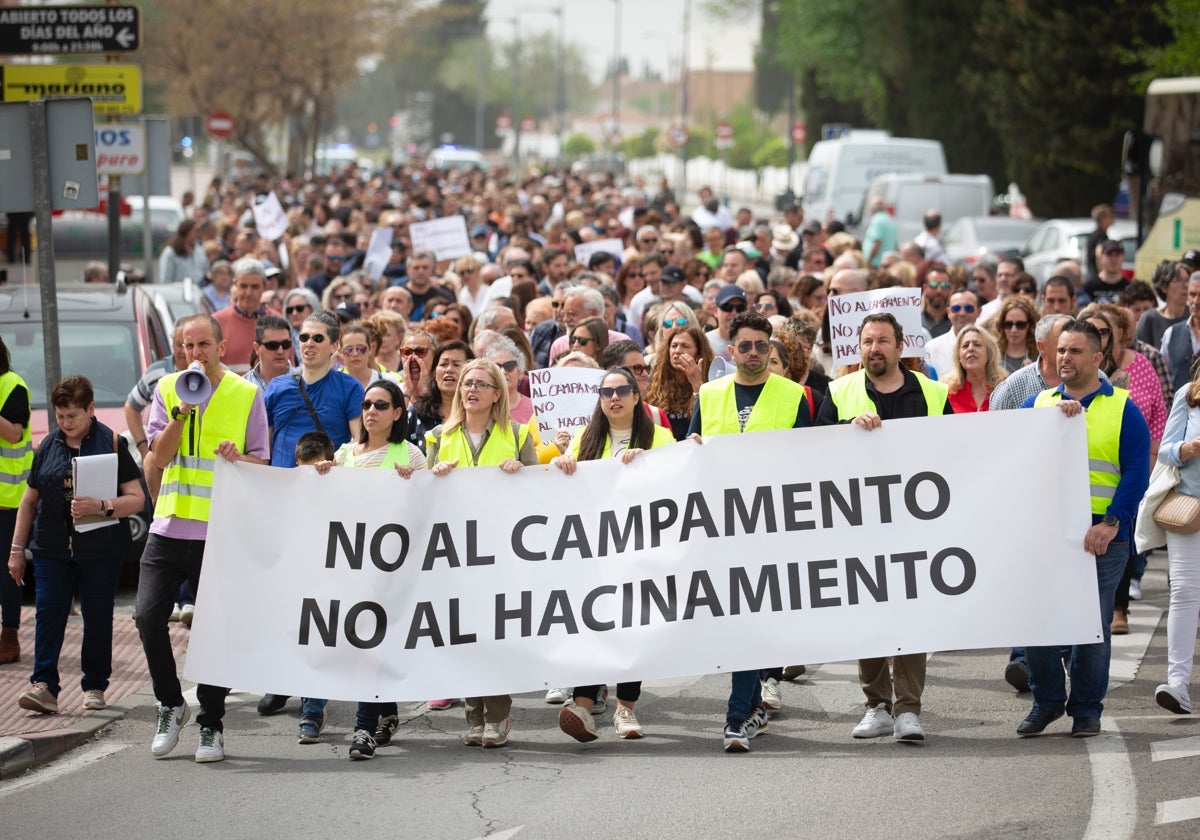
<point x="1162" y="170"/>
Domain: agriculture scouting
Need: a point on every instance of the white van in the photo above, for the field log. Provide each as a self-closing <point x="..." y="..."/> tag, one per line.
<point x="840" y="170"/>
<point x="907" y="196"/>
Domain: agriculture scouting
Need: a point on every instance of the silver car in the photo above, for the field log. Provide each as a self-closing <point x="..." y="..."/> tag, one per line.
<point x="1065" y="239"/>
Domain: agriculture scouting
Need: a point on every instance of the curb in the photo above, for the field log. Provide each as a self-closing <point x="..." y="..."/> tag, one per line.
<point x="21" y="753"/>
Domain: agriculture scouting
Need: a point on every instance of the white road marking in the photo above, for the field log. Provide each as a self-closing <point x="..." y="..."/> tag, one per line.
<point x="1128" y="651"/>
<point x="61" y="767"/>
<point x="1177" y="810"/>
<point x="1175" y="748"/>
<point x="1114" y="791"/>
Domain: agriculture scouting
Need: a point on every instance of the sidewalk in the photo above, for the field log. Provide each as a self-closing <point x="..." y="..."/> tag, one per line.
<point x="28" y="739"/>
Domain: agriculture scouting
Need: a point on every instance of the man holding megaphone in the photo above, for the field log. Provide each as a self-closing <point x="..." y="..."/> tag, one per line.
<point x="198" y="414"/>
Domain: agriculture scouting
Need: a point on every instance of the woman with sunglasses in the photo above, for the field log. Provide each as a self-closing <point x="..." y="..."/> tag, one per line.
<point x="669" y="319"/>
<point x="629" y="281"/>
<point x="1013" y="331"/>
<point x="975" y="370"/>
<point x="479" y="432"/>
<point x="341" y="289"/>
<point x="619" y="428"/>
<point x="446" y="363"/>
<point x="381" y="443"/>
<point x="315" y="398"/>
<point x="677" y="376"/>
<point x="773" y="302"/>
<point x="589" y="336"/>
<point x="359" y="343"/>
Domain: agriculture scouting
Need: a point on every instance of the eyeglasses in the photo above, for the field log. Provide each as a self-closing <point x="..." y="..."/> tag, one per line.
<point x="962" y="307"/>
<point x="1105" y="332"/>
<point x="938" y="284"/>
<point x="315" y="338"/>
<point x="621" y="391"/>
<point x="1015" y="325"/>
<point x="638" y="370"/>
<point x="761" y="346"/>
<point x="509" y="366"/>
<point x="286" y="344"/>
<point x="419" y="352"/>
<point x="354" y="349"/>
<point x="292" y="310"/>
<point x="667" y="252"/>
<point x="581" y="340"/>
<point x="378" y="405"/>
<point x="1025" y="290"/>
<point x="342" y="296"/>
<point x="477" y="385"/>
<point x="674" y="322"/>
<point x="634" y="275"/>
<point x="733" y="307"/>
<point x="765" y="306"/>
<point x="649" y="240"/>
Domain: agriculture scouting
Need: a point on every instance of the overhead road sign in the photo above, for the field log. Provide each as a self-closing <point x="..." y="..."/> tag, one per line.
<point x="70" y="30"/>
<point x="113" y="88"/>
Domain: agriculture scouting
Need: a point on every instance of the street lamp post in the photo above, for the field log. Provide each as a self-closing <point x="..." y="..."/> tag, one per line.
<point x="616" y="76"/>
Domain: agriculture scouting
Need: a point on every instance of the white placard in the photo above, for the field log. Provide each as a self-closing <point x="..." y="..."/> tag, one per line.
<point x="270" y="220"/>
<point x="379" y="251"/>
<point x="805" y="545"/>
<point x="445" y="237"/>
<point x="846" y="313"/>
<point x="563" y="398"/>
<point x="584" y="250"/>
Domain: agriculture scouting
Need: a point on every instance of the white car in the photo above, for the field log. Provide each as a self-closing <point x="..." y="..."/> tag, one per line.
<point x="1065" y="239"/>
<point x="165" y="210"/>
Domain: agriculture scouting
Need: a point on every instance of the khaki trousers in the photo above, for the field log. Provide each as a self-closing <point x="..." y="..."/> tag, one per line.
<point x="905" y="680"/>
<point x="493" y="709"/>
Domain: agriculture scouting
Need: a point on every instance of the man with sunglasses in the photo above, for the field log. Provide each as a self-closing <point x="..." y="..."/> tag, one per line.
<point x="883" y="389"/>
<point x="933" y="301"/>
<point x="750" y="399"/>
<point x="964" y="310"/>
<point x="272" y="351"/>
<point x="731" y="302"/>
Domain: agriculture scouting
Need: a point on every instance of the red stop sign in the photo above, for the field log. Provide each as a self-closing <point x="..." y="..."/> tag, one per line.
<point x="724" y="130"/>
<point x="219" y="124"/>
<point x="798" y="132"/>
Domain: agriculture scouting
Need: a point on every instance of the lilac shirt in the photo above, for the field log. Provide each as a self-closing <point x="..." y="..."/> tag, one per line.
<point x="257" y="444"/>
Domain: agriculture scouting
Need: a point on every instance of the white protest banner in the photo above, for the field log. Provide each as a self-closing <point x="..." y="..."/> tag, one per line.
<point x="446" y="237"/>
<point x="269" y="218"/>
<point x="846" y="313"/>
<point x="563" y="398"/>
<point x="584" y="250"/>
<point x="806" y="545"/>
<point x="379" y="251"/>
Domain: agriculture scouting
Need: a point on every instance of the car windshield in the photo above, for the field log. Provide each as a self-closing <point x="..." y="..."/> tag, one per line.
<point x="101" y="352"/>
<point x="999" y="228"/>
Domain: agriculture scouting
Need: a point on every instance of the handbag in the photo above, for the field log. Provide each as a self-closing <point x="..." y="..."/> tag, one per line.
<point x="1178" y="513"/>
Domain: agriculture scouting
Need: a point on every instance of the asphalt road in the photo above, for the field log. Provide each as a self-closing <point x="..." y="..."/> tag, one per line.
<point x="805" y="777"/>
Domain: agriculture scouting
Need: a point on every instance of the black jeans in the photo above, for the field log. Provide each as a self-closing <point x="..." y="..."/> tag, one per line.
<point x="627" y="692"/>
<point x="166" y="563"/>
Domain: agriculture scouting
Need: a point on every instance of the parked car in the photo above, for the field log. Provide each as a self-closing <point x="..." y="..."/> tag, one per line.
<point x="456" y="157"/>
<point x="1065" y="239"/>
<point x="908" y="195"/>
<point x="108" y="333"/>
<point x="177" y="300"/>
<point x="975" y="238"/>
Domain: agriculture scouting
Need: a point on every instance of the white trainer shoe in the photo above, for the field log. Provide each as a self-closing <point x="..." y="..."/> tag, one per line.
<point x="212" y="746"/>
<point x="876" y="723"/>
<point x="577" y="722"/>
<point x="558" y="696"/>
<point x="496" y="734"/>
<point x="626" y="724"/>
<point x="772" y="699"/>
<point x="908" y="728"/>
<point x="170" y="720"/>
<point x="1173" y="698"/>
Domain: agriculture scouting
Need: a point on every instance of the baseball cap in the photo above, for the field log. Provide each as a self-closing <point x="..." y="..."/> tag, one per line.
<point x="671" y="274"/>
<point x="811" y="226"/>
<point x="347" y="311"/>
<point x="478" y="230"/>
<point x="728" y="293"/>
<point x="1191" y="259"/>
<point x="1111" y="245"/>
<point x="748" y="249"/>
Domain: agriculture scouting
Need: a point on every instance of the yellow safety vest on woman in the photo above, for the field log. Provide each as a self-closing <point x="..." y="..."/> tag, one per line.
<point x="397" y="455"/>
<point x="776" y="408"/>
<point x="500" y="446"/>
<point x="15" y="458"/>
<point x="662" y="436"/>
<point x="1104" y="415"/>
<point x="187" y="481"/>
<point x="849" y="394"/>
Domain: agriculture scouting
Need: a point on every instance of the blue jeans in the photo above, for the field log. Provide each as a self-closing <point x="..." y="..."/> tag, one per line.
<point x="745" y="695"/>
<point x="10" y="593"/>
<point x="1088" y="664"/>
<point x="368" y="714"/>
<point x="312" y="708"/>
<point x="56" y="579"/>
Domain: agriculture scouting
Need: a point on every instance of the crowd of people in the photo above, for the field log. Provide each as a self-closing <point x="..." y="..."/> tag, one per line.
<point x="707" y="323"/>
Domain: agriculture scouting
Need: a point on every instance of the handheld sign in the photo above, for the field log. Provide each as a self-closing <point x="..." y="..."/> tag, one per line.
<point x="846" y="313"/>
<point x="269" y="218"/>
<point x="584" y="250"/>
<point x="563" y="398"/>
<point x="445" y="237"/>
<point x="379" y="251"/>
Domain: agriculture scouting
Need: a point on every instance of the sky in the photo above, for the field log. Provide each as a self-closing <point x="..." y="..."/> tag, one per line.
<point x="651" y="32"/>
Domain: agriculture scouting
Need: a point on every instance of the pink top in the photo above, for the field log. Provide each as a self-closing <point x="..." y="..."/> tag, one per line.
<point x="1147" y="394"/>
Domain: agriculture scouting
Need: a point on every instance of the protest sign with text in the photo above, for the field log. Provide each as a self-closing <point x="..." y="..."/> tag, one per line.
<point x="584" y="250"/>
<point x="805" y="545"/>
<point x="563" y="398"/>
<point x="270" y="220"/>
<point x="846" y="313"/>
<point x="445" y="237"/>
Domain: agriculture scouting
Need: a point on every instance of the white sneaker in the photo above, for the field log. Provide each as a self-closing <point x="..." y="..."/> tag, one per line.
<point x="93" y="700"/>
<point x="175" y="613"/>
<point x="496" y="734"/>
<point x="876" y="723"/>
<point x="577" y="722"/>
<point x="1135" y="590"/>
<point x="908" y="728"/>
<point x="1173" y="698"/>
<point x="772" y="699"/>
<point x="186" y="613"/>
<point x="170" y="720"/>
<point x="626" y="724"/>
<point x="212" y="746"/>
<point x="558" y="696"/>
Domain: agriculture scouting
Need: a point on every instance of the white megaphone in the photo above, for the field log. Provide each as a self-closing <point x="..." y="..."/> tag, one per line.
<point x="192" y="386"/>
<point x="717" y="369"/>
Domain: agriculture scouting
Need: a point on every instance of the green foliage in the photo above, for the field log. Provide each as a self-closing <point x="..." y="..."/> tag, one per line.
<point x="643" y="145"/>
<point x="772" y="152"/>
<point x="577" y="145"/>
<point x="1180" y="55"/>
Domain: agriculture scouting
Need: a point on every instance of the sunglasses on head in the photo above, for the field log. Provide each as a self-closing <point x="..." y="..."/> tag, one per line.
<point x="419" y="352"/>
<point x="761" y="346"/>
<point x="621" y="391"/>
<point x="674" y="322"/>
<point x="286" y="344"/>
<point x="739" y="307"/>
<point x="378" y="405"/>
<point x="316" y="338"/>
<point x="292" y="310"/>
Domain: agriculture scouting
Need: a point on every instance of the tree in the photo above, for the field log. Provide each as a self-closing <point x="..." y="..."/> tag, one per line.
<point x="1180" y="55"/>
<point x="290" y="76"/>
<point x="577" y="145"/>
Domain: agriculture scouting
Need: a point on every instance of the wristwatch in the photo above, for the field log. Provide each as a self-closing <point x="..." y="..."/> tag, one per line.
<point x="178" y="414"/>
<point x="108" y="507"/>
<point x="1112" y="521"/>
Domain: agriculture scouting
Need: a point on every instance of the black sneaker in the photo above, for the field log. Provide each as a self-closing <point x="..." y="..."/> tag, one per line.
<point x="362" y="748"/>
<point x="1035" y="723"/>
<point x="1016" y="674"/>
<point x="1085" y="727"/>
<point x="272" y="704"/>
<point x="388" y="724"/>
<point x="737" y="739"/>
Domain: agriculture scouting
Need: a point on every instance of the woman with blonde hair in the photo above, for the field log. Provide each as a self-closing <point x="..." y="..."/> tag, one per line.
<point x="472" y="293"/>
<point x="678" y="373"/>
<point x="1013" y="331"/>
<point x="975" y="371"/>
<point x="479" y="432"/>
<point x="341" y="289"/>
<point x="391" y="327"/>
